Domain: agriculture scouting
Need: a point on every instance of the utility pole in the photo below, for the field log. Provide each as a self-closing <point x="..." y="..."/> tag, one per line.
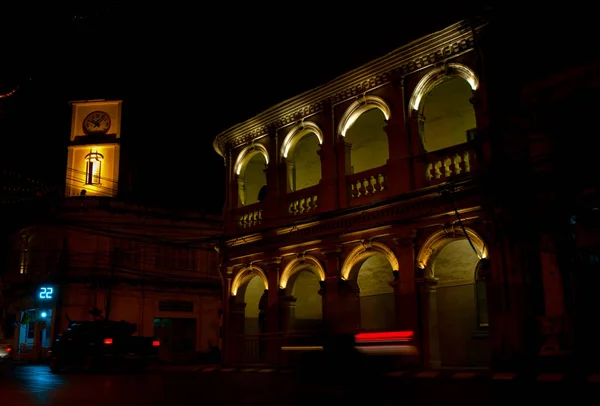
<point x="113" y="267"/>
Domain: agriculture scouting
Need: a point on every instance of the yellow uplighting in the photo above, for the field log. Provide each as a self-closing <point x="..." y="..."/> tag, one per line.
<point x="296" y="133"/>
<point x="359" y="107"/>
<point x="244" y="275"/>
<point x="364" y="251"/>
<point x="247" y="153"/>
<point x="297" y="264"/>
<point x="437" y="76"/>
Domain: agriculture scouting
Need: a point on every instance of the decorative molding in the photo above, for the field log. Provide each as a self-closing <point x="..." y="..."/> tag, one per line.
<point x="416" y="55"/>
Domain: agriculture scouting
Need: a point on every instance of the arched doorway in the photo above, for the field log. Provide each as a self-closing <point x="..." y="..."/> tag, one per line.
<point x="369" y="269"/>
<point x="377" y="301"/>
<point x="458" y="315"/>
<point x="248" y="307"/>
<point x="301" y="303"/>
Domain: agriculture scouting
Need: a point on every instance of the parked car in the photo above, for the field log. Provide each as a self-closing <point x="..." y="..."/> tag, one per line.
<point x="98" y="344"/>
<point x="5" y="352"/>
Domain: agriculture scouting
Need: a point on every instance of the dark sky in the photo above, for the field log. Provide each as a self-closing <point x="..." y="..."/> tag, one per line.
<point x="184" y="74"/>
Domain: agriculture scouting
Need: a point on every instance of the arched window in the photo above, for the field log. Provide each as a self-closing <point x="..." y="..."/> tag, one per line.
<point x="93" y="168"/>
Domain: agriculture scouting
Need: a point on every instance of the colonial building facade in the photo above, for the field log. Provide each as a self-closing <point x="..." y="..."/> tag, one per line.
<point x="385" y="200"/>
<point x="96" y="256"/>
<point x="358" y="206"/>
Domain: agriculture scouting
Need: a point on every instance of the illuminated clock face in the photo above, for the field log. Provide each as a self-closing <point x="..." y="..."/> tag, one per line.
<point x="97" y="122"/>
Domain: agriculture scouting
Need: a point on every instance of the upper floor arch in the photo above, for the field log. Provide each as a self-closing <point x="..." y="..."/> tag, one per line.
<point x="296" y="134"/>
<point x="246" y="155"/>
<point x="436" y="77"/>
<point x="360" y="106"/>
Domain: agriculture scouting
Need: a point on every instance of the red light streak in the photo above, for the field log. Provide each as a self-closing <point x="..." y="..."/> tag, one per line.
<point x="384" y="336"/>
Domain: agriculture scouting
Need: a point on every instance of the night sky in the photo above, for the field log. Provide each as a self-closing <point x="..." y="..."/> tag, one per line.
<point x="184" y="75"/>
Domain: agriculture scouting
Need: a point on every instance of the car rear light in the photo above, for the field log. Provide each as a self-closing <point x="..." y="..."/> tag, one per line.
<point x="156" y="343"/>
<point x="8" y="349"/>
<point x="107" y="341"/>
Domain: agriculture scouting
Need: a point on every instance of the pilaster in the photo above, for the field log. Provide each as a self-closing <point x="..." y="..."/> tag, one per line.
<point x="399" y="163"/>
<point x="430" y="348"/>
<point x="405" y="289"/>
<point x="328" y="190"/>
<point x="416" y="122"/>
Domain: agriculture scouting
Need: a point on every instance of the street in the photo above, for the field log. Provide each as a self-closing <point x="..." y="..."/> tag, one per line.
<point x="35" y="385"/>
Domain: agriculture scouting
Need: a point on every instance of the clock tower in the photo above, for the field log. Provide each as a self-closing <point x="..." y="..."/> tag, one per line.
<point x="94" y="148"/>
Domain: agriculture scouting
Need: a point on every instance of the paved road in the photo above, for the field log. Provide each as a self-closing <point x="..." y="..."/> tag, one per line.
<point x="34" y="385"/>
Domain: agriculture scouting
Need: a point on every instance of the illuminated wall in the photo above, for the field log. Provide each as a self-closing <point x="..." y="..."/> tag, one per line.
<point x="101" y="178"/>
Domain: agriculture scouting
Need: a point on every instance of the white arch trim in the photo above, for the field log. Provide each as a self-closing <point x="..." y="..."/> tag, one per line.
<point x="359" y="107"/>
<point x="437" y="76"/>
<point x="296" y="133"/>
<point x="297" y="263"/>
<point x="364" y="251"/>
<point x="247" y="153"/>
<point x="244" y="274"/>
<point x="439" y="239"/>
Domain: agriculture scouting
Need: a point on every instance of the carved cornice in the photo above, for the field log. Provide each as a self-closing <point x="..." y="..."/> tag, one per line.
<point x="426" y="51"/>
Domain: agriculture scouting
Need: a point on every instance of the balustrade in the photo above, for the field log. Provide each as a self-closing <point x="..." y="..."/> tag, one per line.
<point x="450" y="162"/>
<point x="367" y="184"/>
<point x="303" y="201"/>
<point x="250" y="216"/>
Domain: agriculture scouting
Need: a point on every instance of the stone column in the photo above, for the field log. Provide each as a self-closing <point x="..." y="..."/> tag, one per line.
<point x="226" y="322"/>
<point x="290" y="175"/>
<point x="330" y="289"/>
<point x="328" y="190"/>
<point x="343" y="168"/>
<point x="287" y="311"/>
<point x="272" y="312"/>
<point x="272" y="202"/>
<point x="416" y="123"/>
<point x="407" y="308"/>
<point x="399" y="163"/>
<point x="241" y="191"/>
<point x="236" y="329"/>
<point x="349" y="306"/>
<point x="430" y="347"/>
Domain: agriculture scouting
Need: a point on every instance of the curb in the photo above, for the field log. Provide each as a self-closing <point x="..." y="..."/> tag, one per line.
<point x="543" y="377"/>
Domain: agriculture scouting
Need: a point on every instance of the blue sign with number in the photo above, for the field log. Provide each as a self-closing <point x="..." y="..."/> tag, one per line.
<point x="46" y="293"/>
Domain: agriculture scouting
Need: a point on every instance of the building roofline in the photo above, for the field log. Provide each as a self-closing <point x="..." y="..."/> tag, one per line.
<point x="407" y="58"/>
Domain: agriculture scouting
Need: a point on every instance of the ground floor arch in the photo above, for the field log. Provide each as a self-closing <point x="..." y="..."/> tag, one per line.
<point x="301" y="301"/>
<point x="456" y="300"/>
<point x="369" y="271"/>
